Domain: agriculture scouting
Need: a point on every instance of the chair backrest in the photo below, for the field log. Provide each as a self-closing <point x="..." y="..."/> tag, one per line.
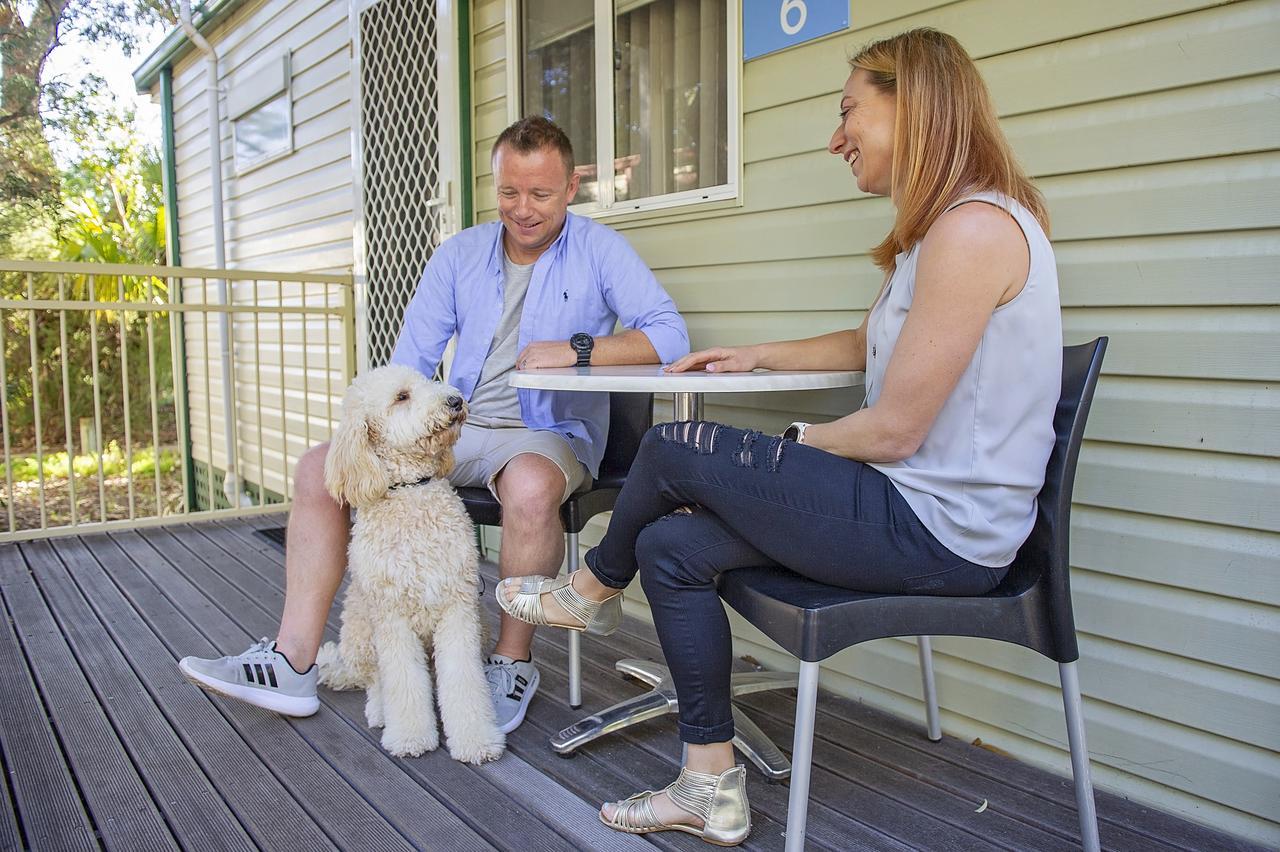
<point x="1043" y="559"/>
<point x="630" y="416"/>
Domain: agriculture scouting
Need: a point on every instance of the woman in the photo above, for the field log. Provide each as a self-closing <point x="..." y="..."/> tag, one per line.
<point x="929" y="488"/>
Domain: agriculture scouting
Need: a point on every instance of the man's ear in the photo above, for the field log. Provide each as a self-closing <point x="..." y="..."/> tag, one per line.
<point x="574" y="179"/>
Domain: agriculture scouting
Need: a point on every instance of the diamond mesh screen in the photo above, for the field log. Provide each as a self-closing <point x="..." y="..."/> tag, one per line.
<point x="399" y="134"/>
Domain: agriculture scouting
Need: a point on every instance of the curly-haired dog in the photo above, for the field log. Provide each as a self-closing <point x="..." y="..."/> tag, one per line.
<point x="413" y="569"/>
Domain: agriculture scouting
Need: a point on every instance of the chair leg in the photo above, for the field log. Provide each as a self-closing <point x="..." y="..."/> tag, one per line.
<point x="1079" y="757"/>
<point x="930" y="689"/>
<point x="802" y="756"/>
<point x="575" y="645"/>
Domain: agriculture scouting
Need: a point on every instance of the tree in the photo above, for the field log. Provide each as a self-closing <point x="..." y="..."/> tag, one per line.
<point x="28" y="174"/>
<point x="25" y="160"/>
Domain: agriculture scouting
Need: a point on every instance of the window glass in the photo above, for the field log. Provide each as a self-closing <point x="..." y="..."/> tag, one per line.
<point x="263" y="132"/>
<point x="559" y="77"/>
<point x="670" y="95"/>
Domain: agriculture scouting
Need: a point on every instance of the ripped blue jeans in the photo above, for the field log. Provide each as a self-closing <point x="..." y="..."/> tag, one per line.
<point x="702" y="498"/>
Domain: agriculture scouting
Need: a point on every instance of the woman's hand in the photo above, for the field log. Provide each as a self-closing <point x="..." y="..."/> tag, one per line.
<point x="722" y="359"/>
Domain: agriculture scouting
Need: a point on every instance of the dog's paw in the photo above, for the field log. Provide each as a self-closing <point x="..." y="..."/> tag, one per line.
<point x="409" y="745"/>
<point x="373" y="716"/>
<point x="478" y="750"/>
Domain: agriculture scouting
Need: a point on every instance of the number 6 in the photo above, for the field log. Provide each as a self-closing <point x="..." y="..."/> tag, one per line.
<point x="783" y="13"/>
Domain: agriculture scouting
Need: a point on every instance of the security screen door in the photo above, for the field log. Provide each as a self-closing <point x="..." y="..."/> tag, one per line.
<point x="405" y="143"/>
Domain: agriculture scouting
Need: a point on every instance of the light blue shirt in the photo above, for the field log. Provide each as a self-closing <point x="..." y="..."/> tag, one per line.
<point x="588" y="279"/>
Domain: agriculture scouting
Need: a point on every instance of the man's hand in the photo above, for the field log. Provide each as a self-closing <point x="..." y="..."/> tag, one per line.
<point x="546" y="353"/>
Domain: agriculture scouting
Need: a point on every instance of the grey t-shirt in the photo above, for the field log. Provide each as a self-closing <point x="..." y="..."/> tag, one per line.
<point x="494" y="402"/>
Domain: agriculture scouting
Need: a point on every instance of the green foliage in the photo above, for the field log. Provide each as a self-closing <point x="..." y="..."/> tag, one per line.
<point x="120" y="20"/>
<point x="122" y="341"/>
<point x="114" y="463"/>
<point x="112" y="206"/>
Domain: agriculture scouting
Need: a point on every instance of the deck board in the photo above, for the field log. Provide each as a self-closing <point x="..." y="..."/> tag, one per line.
<point x="412" y="815"/>
<point x="112" y="778"/>
<point x="120" y="592"/>
<point x="10" y="834"/>
<point x="47" y="799"/>
<point x="137" y="758"/>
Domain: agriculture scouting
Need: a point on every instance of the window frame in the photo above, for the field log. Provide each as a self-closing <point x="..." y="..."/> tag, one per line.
<point x="607" y="206"/>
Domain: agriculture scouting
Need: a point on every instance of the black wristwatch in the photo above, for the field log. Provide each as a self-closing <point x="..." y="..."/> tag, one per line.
<point x="583" y="343"/>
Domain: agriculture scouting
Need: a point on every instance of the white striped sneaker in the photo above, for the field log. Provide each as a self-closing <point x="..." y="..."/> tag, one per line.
<point x="512" y="684"/>
<point x="261" y="676"/>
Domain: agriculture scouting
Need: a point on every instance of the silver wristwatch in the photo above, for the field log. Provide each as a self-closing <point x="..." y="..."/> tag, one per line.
<point x="795" y="432"/>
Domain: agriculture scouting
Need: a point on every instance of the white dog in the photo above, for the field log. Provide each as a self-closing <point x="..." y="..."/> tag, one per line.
<point x="413" y="569"/>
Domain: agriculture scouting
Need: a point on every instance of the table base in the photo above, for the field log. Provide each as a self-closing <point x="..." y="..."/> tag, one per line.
<point x="661" y="700"/>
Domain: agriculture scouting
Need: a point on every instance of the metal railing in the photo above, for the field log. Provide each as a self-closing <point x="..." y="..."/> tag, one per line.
<point x="126" y="400"/>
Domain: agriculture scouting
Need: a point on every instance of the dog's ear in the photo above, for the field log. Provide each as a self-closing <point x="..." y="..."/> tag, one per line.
<point x="352" y="472"/>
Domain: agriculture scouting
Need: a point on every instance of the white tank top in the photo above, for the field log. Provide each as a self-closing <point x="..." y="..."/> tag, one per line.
<point x="973" y="482"/>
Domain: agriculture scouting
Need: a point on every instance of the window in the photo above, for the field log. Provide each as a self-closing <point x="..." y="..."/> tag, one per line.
<point x="261" y="112"/>
<point x="669" y="92"/>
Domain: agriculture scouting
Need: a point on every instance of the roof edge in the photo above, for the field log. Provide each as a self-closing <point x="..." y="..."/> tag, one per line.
<point x="176" y="44"/>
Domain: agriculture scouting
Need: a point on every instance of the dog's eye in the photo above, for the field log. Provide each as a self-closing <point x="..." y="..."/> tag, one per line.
<point x="403" y="396"/>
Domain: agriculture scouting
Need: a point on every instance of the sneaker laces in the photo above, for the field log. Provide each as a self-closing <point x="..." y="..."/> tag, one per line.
<point x="262" y="646"/>
<point x="501" y="677"/>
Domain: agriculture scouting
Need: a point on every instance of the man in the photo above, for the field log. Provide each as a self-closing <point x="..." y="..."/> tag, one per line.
<point x="540" y="288"/>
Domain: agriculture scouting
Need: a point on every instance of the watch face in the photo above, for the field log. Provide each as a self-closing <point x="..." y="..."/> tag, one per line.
<point x="791" y="433"/>
<point x="581" y="341"/>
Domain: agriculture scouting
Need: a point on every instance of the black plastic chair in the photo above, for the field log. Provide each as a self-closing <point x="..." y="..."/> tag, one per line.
<point x="1031" y="607"/>
<point x="630" y="416"/>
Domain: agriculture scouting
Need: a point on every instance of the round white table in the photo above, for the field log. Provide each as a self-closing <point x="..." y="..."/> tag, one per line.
<point x="687" y="390"/>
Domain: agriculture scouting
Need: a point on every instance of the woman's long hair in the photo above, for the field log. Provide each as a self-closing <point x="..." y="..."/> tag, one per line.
<point x="947" y="141"/>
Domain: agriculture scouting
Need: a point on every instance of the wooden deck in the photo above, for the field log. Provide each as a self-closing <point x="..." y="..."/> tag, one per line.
<point x="106" y="746"/>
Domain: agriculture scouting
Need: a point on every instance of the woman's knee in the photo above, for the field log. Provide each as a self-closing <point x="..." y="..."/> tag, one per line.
<point x="666" y="555"/>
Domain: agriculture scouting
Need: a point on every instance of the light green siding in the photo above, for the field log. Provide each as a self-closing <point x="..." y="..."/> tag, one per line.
<point x="1152" y="127"/>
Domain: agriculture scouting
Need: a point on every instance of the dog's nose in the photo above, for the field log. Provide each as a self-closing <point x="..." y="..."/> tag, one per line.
<point x="455" y="402"/>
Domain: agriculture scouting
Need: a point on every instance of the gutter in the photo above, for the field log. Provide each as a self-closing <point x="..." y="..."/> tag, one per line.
<point x="177" y="44"/>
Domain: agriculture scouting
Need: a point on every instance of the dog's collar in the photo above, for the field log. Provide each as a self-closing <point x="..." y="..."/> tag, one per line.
<point x="423" y="481"/>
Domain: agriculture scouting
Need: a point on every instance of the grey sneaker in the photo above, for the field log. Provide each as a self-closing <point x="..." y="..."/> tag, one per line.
<point x="261" y="676"/>
<point x="512" y="684"/>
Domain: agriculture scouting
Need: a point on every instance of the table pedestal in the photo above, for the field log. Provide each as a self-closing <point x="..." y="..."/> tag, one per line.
<point x="686" y="406"/>
<point x="661" y="700"/>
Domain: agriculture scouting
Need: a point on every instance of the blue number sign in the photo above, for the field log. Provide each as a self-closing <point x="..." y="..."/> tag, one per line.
<point x="769" y="25"/>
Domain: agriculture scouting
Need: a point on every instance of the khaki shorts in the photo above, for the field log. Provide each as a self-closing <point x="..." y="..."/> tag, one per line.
<point x="482" y="452"/>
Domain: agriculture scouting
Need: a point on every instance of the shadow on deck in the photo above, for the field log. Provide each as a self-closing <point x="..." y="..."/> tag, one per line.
<point x="106" y="746"/>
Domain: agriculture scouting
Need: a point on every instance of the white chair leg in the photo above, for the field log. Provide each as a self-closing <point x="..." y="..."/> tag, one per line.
<point x="1079" y="757"/>
<point x="802" y="756"/>
<point x="930" y="689"/>
<point x="575" y="653"/>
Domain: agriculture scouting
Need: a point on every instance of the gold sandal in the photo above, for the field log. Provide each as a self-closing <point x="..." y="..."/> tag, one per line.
<point x="720" y="801"/>
<point x="596" y="617"/>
